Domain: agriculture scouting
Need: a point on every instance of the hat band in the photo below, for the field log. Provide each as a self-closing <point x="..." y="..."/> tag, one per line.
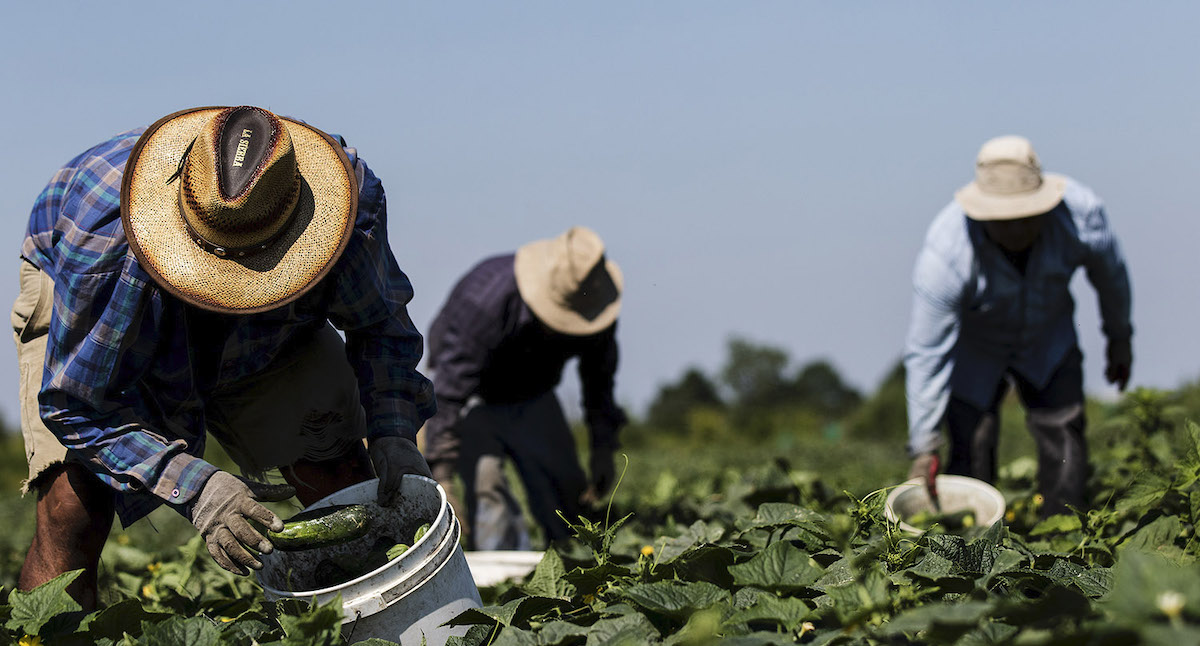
<point x="222" y="251"/>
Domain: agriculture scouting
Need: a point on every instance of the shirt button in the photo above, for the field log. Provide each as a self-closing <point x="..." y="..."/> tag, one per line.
<point x="174" y="493"/>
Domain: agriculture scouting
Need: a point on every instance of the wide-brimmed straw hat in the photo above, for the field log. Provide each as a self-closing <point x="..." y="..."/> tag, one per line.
<point x="1009" y="183"/>
<point x="236" y="210"/>
<point x="569" y="283"/>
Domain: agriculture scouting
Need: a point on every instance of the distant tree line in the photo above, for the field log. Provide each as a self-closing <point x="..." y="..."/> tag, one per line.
<point x="758" y="391"/>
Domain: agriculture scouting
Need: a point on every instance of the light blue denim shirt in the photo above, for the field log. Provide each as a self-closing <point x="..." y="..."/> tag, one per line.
<point x="976" y="317"/>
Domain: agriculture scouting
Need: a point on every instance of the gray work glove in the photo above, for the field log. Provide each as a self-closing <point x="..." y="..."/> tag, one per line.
<point x="393" y="457"/>
<point x="222" y="512"/>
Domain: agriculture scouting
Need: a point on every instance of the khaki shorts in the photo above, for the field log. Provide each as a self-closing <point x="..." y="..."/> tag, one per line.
<point x="305" y="405"/>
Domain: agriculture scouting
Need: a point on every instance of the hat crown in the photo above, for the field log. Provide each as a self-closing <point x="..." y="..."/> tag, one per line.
<point x="1008" y="166"/>
<point x="239" y="181"/>
<point x="579" y="250"/>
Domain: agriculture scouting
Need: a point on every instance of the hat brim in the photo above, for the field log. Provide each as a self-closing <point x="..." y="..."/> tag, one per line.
<point x="533" y="269"/>
<point x="295" y="261"/>
<point x="990" y="206"/>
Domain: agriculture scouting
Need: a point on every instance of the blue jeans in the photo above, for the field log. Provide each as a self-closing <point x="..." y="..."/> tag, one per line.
<point x="1055" y="417"/>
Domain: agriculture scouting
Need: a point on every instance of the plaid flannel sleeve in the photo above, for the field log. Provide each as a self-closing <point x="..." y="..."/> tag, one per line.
<point x="100" y="343"/>
<point x="369" y="304"/>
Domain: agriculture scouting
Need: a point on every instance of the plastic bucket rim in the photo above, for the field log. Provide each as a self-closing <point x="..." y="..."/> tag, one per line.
<point x="412" y="550"/>
<point x="451" y="540"/>
<point x="950" y="479"/>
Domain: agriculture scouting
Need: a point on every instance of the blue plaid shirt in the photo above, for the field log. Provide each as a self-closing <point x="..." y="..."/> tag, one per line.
<point x="126" y="376"/>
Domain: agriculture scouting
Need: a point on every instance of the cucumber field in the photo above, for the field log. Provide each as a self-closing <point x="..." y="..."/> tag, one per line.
<point x="783" y="543"/>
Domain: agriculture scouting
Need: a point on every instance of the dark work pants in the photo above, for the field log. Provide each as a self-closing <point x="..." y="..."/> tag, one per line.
<point x="535" y="435"/>
<point x="1055" y="417"/>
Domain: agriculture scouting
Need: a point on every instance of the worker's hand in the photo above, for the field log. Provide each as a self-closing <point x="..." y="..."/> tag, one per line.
<point x="222" y="512"/>
<point x="602" y="471"/>
<point x="1120" y="363"/>
<point x="926" y="467"/>
<point x="393" y="457"/>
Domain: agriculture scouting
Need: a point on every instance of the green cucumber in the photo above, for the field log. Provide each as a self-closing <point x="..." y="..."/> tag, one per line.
<point x="322" y="527"/>
<point x="396" y="551"/>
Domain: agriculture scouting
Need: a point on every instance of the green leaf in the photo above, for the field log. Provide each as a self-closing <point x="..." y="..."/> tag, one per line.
<point x="1093" y="582"/>
<point x="977" y="557"/>
<point x="781" y="567"/>
<point x="124" y="617"/>
<point x="591" y="580"/>
<point x="193" y="631"/>
<point x="244" y="631"/>
<point x="1158" y="535"/>
<point x="1057" y="524"/>
<point x="780" y="514"/>
<point x="1144" y="494"/>
<point x="757" y="639"/>
<point x="476" y="636"/>
<point x="1142" y="585"/>
<point x="559" y="631"/>
<point x="548" y="578"/>
<point x="988" y="634"/>
<point x="514" y="613"/>
<point x="856" y="599"/>
<point x="635" y="628"/>
<point x="785" y="612"/>
<point x="374" y="641"/>
<point x="513" y="636"/>
<point x="698" y="533"/>
<point x="704" y="563"/>
<point x="1048" y="610"/>
<point x="314" y="625"/>
<point x="932" y="566"/>
<point x="33" y="609"/>
<point x="962" y="617"/>
<point x="674" y="598"/>
<point x="1007" y="560"/>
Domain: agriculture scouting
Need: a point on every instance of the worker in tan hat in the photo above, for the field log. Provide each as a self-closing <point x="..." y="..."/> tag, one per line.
<point x="181" y="280"/>
<point x="497" y="350"/>
<point x="992" y="310"/>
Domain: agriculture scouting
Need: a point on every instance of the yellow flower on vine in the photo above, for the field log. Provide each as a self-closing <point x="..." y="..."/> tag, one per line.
<point x="30" y="640"/>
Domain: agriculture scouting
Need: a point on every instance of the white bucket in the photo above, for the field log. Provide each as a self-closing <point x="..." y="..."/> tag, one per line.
<point x="409" y="598"/>
<point x="955" y="494"/>
<point x="490" y="567"/>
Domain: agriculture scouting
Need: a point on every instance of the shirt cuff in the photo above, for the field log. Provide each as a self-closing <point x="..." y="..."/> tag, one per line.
<point x="182" y="479"/>
<point x="928" y="443"/>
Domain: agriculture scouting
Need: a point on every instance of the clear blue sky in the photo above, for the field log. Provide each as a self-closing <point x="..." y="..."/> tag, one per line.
<point x="762" y="169"/>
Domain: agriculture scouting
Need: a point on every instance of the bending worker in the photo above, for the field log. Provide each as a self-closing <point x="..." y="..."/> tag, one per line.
<point x="991" y="306"/>
<point x="497" y="350"/>
<point x="183" y="278"/>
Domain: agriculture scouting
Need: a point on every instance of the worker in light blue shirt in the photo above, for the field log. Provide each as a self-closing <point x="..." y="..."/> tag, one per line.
<point x="992" y="309"/>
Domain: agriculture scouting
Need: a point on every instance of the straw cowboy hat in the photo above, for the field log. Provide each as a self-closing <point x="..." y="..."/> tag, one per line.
<point x="236" y="210"/>
<point x="1009" y="183"/>
<point x="568" y="282"/>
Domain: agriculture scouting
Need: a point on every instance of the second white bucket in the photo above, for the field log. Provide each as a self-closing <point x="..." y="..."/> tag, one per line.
<point x="405" y="601"/>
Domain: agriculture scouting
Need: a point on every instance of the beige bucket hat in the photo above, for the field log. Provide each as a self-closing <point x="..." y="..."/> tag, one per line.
<point x="569" y="283"/>
<point x="1009" y="183"/>
<point x="236" y="210"/>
